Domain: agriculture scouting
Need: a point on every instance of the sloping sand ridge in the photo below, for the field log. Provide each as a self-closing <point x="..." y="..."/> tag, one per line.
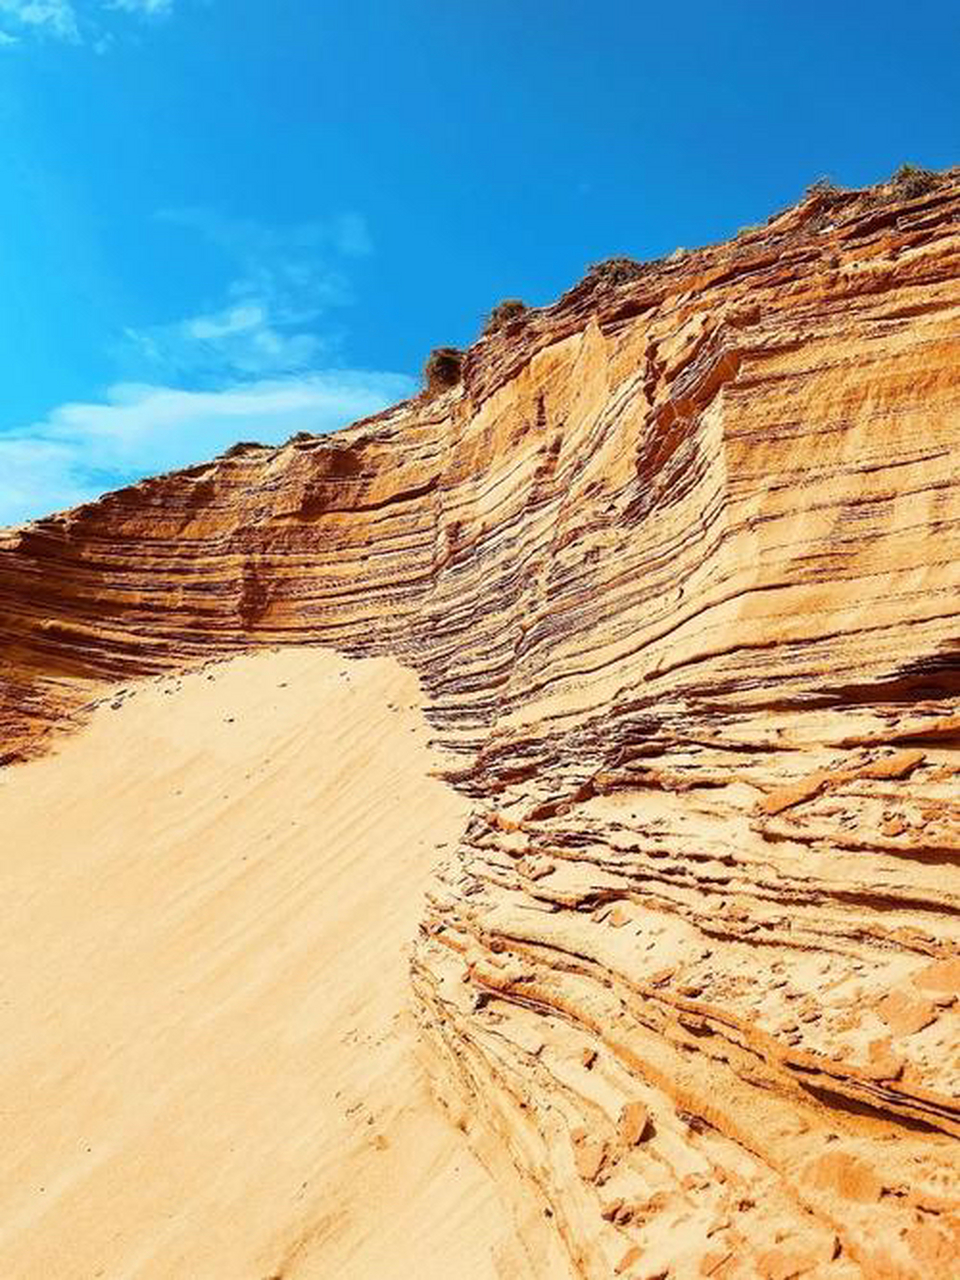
<point x="207" y="1067"/>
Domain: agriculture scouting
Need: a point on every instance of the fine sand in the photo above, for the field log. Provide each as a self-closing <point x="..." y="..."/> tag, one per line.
<point x="207" y="1063"/>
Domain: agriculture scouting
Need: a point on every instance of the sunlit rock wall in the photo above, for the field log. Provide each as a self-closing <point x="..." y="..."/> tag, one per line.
<point x="678" y="565"/>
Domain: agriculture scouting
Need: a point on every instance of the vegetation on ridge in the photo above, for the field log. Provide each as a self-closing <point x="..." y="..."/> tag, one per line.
<point x="615" y="270"/>
<point x="910" y="181"/>
<point x="444" y="369"/>
<point x="504" y="313"/>
<point x="823" y="189"/>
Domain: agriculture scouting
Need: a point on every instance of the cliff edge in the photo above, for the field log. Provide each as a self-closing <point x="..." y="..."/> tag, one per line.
<point x="676" y="561"/>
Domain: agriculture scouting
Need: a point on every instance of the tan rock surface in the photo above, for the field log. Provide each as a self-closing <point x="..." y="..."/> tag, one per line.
<point x="678" y="566"/>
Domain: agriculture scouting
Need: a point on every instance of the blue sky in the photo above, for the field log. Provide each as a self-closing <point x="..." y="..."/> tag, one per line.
<point x="236" y="219"/>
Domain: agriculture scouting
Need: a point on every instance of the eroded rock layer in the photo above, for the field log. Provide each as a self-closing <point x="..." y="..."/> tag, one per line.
<point x="677" y="563"/>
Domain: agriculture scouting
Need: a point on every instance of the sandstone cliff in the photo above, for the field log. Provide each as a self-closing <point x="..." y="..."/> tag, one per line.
<point x="677" y="565"/>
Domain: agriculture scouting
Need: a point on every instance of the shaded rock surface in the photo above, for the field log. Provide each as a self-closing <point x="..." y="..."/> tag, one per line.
<point x="677" y="563"/>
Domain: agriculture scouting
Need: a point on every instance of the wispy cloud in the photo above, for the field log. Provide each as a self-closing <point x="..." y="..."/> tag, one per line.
<point x="72" y="21"/>
<point x="154" y="8"/>
<point x="279" y="284"/>
<point x="251" y="363"/>
<point x="54" y="18"/>
<point x="80" y="450"/>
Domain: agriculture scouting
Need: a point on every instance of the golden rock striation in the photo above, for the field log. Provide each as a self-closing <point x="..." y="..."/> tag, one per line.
<point x="678" y="566"/>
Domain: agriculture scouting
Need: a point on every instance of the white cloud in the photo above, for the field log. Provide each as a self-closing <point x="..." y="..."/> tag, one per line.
<point x="36" y="476"/>
<point x="81" y="450"/>
<point x="55" y="18"/>
<point x="234" y="320"/>
<point x="73" y="21"/>
<point x="281" y="281"/>
<point x="251" y="364"/>
<point x="149" y="7"/>
<point x="243" y="340"/>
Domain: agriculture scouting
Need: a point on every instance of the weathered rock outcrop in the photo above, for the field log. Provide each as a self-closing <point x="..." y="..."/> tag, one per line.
<point x="678" y="565"/>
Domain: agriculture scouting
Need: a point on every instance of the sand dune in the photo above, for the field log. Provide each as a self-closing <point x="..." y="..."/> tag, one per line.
<point x="207" y="1068"/>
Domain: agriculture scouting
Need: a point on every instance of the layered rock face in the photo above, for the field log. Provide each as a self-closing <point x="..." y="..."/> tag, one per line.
<point x="678" y="565"/>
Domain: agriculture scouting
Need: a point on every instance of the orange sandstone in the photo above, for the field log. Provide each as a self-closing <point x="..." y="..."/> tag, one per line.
<point x="677" y="564"/>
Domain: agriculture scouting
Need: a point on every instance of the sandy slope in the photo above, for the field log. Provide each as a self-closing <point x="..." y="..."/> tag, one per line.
<point x="206" y="1067"/>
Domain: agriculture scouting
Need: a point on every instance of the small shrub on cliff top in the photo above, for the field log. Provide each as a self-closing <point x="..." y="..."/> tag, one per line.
<point x="503" y="313"/>
<point x="822" y="189"/>
<point x="910" y="181"/>
<point x="444" y="368"/>
<point x="241" y="447"/>
<point x="616" y="270"/>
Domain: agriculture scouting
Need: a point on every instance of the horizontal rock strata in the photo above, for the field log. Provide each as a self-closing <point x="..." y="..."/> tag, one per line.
<point x="677" y="564"/>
